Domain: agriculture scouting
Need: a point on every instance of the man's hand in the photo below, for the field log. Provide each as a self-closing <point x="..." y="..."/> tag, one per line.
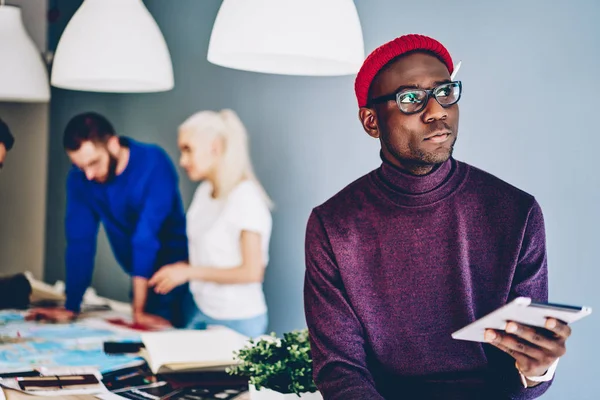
<point x="534" y="349"/>
<point x="150" y="321"/>
<point x="169" y="277"/>
<point x="59" y="314"/>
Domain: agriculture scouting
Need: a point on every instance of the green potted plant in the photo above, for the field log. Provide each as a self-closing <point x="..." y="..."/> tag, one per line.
<point x="278" y="368"/>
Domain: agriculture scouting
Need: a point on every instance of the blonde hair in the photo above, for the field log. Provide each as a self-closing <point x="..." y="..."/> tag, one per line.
<point x="235" y="165"/>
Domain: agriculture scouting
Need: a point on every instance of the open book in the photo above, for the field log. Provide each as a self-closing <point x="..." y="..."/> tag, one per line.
<point x="191" y="350"/>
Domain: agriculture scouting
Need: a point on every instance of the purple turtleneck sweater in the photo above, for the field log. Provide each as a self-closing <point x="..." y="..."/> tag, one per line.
<point x="395" y="263"/>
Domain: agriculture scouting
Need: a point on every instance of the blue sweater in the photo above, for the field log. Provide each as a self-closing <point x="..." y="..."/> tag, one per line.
<point x="142" y="213"/>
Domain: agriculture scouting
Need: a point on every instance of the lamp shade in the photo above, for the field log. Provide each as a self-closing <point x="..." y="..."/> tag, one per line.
<point x="289" y="37"/>
<point x="112" y="46"/>
<point x="23" y="75"/>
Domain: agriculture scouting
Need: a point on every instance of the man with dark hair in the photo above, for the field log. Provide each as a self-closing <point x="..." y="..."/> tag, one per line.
<point x="419" y="248"/>
<point x="6" y="142"/>
<point x="132" y="188"/>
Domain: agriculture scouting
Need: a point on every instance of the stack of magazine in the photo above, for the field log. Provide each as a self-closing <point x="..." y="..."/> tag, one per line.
<point x="139" y="383"/>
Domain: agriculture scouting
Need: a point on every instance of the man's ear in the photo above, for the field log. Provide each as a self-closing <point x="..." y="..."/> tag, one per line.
<point x="113" y="144"/>
<point x="368" y="119"/>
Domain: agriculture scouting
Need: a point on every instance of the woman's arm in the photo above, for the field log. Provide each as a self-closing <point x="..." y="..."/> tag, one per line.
<point x="251" y="270"/>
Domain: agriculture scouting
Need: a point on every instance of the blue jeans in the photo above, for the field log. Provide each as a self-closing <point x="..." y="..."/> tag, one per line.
<point x="195" y="319"/>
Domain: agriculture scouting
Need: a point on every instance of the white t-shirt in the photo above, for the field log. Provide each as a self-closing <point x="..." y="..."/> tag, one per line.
<point x="214" y="228"/>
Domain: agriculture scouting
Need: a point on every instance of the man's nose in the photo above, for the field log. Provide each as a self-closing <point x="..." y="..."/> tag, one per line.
<point x="434" y="112"/>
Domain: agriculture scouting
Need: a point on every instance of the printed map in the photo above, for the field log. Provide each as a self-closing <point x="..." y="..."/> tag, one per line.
<point x="25" y="345"/>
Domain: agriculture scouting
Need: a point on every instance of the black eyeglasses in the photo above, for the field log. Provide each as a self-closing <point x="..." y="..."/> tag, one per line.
<point x="412" y="101"/>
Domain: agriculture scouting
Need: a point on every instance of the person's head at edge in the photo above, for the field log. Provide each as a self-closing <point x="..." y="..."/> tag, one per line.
<point x="7" y="141"/>
<point x="416" y="140"/>
<point x="214" y="147"/>
<point x="92" y="145"/>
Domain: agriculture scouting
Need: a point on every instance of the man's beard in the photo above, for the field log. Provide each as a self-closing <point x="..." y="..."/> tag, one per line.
<point x="112" y="169"/>
<point x="416" y="160"/>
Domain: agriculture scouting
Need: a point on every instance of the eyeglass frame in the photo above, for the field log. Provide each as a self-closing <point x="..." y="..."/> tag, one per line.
<point x="428" y="95"/>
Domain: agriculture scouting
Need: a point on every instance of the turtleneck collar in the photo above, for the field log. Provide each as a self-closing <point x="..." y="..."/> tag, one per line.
<point x="413" y="190"/>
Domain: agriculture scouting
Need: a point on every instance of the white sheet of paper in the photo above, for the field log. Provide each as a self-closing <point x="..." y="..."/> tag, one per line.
<point x="12" y="383"/>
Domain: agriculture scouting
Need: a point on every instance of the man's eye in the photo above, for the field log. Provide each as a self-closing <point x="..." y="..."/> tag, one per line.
<point x="444" y="91"/>
<point x="410" y="98"/>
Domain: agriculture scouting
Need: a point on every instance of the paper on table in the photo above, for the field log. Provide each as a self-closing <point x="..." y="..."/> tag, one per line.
<point x="109" y="396"/>
<point x="179" y="350"/>
<point x="12" y="383"/>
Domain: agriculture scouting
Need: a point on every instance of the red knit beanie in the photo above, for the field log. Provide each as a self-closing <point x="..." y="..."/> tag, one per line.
<point x="387" y="52"/>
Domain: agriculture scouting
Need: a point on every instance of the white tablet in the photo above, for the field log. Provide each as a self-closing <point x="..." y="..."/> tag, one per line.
<point x="521" y="310"/>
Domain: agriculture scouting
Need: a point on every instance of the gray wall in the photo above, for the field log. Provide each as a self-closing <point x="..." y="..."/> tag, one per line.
<point x="23" y="179"/>
<point x="528" y="116"/>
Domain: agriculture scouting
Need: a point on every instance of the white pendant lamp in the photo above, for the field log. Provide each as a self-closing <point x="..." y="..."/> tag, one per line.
<point x="23" y="75"/>
<point x="112" y="46"/>
<point x="289" y="37"/>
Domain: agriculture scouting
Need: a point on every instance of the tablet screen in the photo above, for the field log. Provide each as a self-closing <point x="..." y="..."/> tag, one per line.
<point x="554" y="306"/>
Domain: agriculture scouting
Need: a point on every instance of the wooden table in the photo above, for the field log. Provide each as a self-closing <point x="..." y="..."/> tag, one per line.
<point x="15" y="395"/>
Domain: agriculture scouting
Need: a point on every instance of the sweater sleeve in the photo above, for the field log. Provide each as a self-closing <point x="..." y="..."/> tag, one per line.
<point x="81" y="228"/>
<point x="530" y="280"/>
<point x="159" y="200"/>
<point x="336" y="335"/>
